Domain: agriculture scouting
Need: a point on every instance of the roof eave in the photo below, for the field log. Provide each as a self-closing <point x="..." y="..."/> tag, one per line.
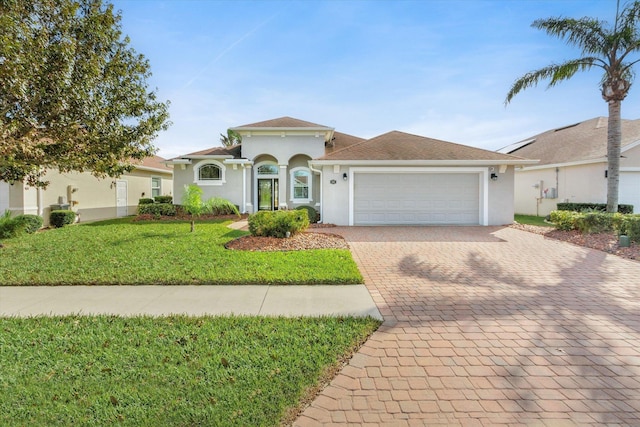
<point x="567" y="164"/>
<point x="152" y="169"/>
<point x="324" y="162"/>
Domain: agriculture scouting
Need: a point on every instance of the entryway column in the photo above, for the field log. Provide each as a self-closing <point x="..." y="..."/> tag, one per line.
<point x="282" y="186"/>
<point x="247" y="194"/>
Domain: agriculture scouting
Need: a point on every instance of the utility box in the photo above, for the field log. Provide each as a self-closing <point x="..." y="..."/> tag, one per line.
<point x="551" y="193"/>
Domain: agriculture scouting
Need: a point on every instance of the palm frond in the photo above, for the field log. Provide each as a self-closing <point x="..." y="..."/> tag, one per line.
<point x="555" y="73"/>
<point x="589" y="34"/>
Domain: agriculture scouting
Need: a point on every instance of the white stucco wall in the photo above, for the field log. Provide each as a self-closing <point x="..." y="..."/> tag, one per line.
<point x="500" y="197"/>
<point x="229" y="189"/>
<point x="335" y="198"/>
<point x="579" y="184"/>
<point x="283" y="148"/>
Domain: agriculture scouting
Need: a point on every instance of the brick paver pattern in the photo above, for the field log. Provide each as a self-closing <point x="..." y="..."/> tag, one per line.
<point x="489" y="326"/>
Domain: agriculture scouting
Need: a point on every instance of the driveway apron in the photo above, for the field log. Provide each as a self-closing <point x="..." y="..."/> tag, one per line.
<point x="489" y="326"/>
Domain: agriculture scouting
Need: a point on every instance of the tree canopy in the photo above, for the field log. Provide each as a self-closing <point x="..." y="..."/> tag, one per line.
<point x="73" y="94"/>
<point x="231" y="138"/>
<point x="612" y="49"/>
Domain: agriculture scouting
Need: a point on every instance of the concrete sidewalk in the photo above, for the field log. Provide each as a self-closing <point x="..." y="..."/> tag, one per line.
<point x="192" y="300"/>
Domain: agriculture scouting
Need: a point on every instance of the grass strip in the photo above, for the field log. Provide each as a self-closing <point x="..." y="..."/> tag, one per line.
<point x="178" y="370"/>
<point x="532" y="220"/>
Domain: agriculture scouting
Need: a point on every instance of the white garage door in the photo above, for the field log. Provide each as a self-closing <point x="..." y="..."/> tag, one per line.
<point x="629" y="191"/>
<point x="416" y="198"/>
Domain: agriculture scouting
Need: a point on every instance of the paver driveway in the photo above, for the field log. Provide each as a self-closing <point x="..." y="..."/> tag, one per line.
<point x="489" y="326"/>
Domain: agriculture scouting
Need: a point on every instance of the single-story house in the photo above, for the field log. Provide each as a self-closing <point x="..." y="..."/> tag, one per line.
<point x="573" y="167"/>
<point x="90" y="197"/>
<point x="395" y="178"/>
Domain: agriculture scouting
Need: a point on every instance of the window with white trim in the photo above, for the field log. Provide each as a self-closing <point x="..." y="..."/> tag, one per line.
<point x="301" y="185"/>
<point x="209" y="172"/>
<point x="156" y="186"/>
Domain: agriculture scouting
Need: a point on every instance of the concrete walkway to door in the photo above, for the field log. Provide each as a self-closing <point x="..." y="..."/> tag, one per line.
<point x="489" y="326"/>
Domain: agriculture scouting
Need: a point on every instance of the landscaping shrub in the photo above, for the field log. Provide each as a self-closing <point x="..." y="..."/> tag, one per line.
<point x="630" y="226"/>
<point x="311" y="212"/>
<point x="157" y="209"/>
<point x="564" y="220"/>
<point x="278" y="223"/>
<point x="602" y="207"/>
<point x="60" y="218"/>
<point x="163" y="199"/>
<point x="31" y="223"/>
<point x="9" y="227"/>
<point x="220" y="206"/>
<point x="598" y="222"/>
<point x="145" y="201"/>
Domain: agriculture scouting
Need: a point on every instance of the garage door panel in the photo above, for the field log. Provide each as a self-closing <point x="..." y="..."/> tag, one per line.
<point x="416" y="198"/>
<point x="629" y="192"/>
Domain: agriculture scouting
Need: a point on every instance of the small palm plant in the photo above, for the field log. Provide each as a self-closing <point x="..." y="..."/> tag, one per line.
<point x="192" y="203"/>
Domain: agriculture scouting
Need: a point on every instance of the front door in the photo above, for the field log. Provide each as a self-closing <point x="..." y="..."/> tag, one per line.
<point x="267" y="194"/>
<point x="121" y="199"/>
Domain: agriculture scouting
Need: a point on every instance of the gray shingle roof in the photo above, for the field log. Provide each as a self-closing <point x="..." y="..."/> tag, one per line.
<point x="574" y="143"/>
<point x="283" y="122"/>
<point x="397" y="145"/>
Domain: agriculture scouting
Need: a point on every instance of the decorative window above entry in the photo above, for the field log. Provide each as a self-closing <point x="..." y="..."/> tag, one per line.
<point x="268" y="169"/>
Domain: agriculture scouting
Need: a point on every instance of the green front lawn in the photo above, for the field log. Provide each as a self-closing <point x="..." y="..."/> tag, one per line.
<point x="532" y="220"/>
<point x="179" y="371"/>
<point x="123" y="252"/>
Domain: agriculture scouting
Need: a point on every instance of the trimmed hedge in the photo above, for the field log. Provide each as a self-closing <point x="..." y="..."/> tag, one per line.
<point x="580" y="207"/>
<point x="630" y="226"/>
<point x="278" y="223"/>
<point x="163" y="199"/>
<point x="598" y="222"/>
<point x="31" y="223"/>
<point x="220" y="206"/>
<point x="157" y="209"/>
<point x="61" y="218"/>
<point x="9" y="227"/>
<point x="312" y="213"/>
<point x="564" y="220"/>
<point x="145" y="201"/>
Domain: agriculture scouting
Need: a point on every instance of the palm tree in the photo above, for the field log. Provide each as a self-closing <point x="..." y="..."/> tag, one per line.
<point x="602" y="47"/>
<point x="231" y="138"/>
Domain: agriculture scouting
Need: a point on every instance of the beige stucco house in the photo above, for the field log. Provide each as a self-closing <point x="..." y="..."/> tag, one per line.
<point x="395" y="178"/>
<point x="573" y="167"/>
<point x="90" y="197"/>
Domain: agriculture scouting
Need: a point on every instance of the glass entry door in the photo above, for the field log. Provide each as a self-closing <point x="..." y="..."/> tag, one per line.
<point x="267" y="194"/>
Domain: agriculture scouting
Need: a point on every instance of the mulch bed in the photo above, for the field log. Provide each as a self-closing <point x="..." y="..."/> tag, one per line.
<point x="297" y="242"/>
<point x="606" y="242"/>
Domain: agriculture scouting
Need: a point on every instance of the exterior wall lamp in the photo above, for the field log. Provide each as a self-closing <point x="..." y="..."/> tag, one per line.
<point x="494" y="176"/>
<point x="344" y="176"/>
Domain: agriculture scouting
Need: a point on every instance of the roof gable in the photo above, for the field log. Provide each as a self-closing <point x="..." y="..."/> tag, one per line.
<point x="155" y="162"/>
<point x="282" y="122"/>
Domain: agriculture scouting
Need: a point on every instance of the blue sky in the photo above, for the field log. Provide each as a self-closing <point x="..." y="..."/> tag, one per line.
<point x="434" y="68"/>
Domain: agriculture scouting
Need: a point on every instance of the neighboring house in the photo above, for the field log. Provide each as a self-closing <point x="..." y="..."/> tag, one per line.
<point x="573" y="167"/>
<point x="395" y="178"/>
<point x="90" y="197"/>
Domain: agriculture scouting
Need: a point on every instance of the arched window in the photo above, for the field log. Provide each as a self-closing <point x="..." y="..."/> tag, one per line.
<point x="301" y="185"/>
<point x="209" y="172"/>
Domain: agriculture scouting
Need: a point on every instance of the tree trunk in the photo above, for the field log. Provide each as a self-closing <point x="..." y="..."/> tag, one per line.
<point x="193" y="224"/>
<point x="614" y="142"/>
